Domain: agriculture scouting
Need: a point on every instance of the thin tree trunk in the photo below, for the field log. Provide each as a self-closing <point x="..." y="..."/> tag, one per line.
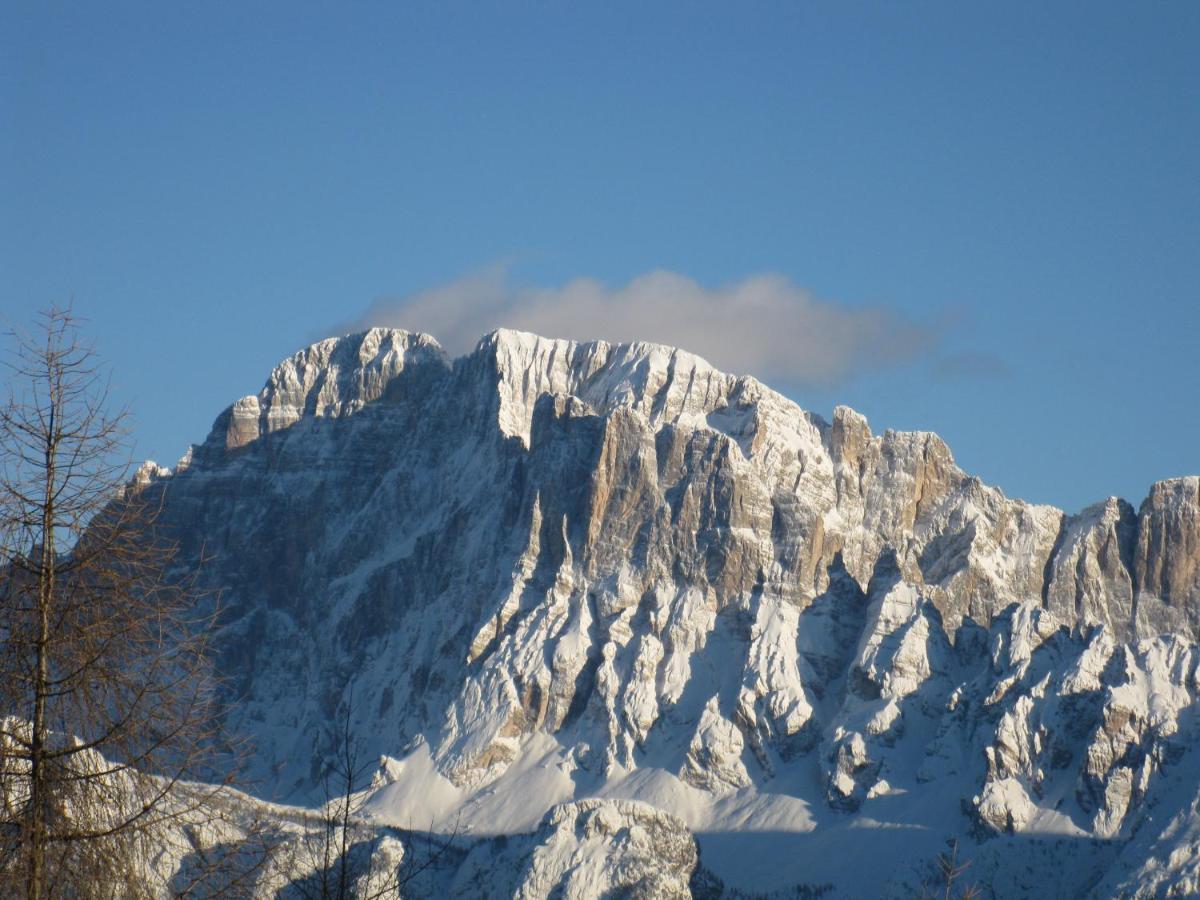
<point x="37" y="773"/>
<point x="101" y="646"/>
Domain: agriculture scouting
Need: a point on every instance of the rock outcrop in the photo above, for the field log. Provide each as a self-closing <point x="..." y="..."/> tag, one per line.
<point x="698" y="593"/>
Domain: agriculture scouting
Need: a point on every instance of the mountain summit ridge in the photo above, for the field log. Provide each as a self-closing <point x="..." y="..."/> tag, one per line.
<point x="669" y="386"/>
<point x="513" y="348"/>
<point x="548" y="571"/>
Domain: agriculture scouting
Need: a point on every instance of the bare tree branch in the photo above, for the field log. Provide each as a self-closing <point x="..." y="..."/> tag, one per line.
<point x="109" y="745"/>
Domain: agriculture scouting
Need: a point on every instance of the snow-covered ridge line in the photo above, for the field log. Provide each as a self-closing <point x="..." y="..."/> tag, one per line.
<point x="333" y="377"/>
<point x="1119" y="555"/>
<point x="339" y="375"/>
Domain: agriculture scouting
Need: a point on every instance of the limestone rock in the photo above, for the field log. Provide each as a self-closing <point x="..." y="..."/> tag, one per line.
<point x="615" y="563"/>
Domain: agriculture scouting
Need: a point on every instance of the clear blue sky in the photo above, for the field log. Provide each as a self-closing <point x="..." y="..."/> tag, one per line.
<point x="217" y="184"/>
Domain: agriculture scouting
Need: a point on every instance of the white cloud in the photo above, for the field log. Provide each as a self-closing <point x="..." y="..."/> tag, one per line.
<point x="764" y="325"/>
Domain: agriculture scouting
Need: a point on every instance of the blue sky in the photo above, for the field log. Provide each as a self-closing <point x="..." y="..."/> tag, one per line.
<point x="1011" y="189"/>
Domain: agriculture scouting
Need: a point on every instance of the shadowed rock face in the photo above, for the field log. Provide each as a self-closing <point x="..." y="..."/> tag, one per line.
<point x="651" y="559"/>
<point x="1092" y="575"/>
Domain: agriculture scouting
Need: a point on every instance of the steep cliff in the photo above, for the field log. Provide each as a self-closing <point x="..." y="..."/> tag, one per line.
<point x="550" y="571"/>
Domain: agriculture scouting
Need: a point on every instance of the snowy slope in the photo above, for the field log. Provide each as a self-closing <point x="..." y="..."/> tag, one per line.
<point x="549" y="572"/>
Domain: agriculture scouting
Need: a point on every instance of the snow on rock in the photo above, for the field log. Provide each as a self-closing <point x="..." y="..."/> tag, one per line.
<point x="1092" y="579"/>
<point x="714" y="758"/>
<point x="590" y="848"/>
<point x="1005" y="805"/>
<point x="555" y="570"/>
<point x="894" y="655"/>
<point x="334" y="377"/>
<point x="850" y="762"/>
<point x="600" y="847"/>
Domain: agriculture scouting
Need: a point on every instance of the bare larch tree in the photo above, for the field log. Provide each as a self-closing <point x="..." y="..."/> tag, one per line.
<point x="107" y="703"/>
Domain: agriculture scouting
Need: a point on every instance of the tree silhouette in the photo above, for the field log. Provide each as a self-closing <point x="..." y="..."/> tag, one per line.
<point x="107" y="698"/>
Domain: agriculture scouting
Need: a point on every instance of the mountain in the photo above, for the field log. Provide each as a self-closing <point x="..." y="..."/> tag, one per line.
<point x="592" y="602"/>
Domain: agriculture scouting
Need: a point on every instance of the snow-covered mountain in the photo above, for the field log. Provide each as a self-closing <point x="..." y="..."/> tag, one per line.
<point x="596" y="603"/>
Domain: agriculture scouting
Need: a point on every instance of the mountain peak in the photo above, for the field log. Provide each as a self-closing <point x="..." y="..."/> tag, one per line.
<point x="554" y="571"/>
<point x="332" y="377"/>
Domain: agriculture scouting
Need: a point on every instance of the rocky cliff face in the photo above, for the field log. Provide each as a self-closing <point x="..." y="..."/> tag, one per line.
<point x="554" y="571"/>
